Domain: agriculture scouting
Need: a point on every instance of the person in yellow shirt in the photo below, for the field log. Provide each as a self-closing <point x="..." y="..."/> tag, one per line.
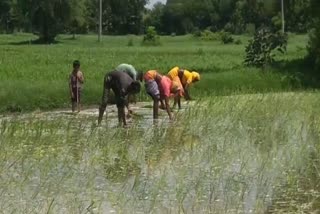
<point x="186" y="77"/>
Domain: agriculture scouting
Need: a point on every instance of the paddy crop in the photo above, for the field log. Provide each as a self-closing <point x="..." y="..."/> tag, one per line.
<point x="35" y="76"/>
<point x="254" y="153"/>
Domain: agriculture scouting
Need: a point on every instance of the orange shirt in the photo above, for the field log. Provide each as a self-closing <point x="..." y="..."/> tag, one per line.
<point x="177" y="86"/>
<point x="150" y="75"/>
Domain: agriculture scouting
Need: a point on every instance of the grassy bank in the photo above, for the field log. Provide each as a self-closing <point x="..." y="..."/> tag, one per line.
<point x="35" y="76"/>
<point x="238" y="154"/>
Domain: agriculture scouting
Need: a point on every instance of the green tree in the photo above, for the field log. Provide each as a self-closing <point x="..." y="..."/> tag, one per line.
<point x="259" y="51"/>
<point x="48" y="17"/>
<point x="76" y="21"/>
<point x="5" y="19"/>
<point x="314" y="43"/>
<point x="123" y="16"/>
<point x="154" y="17"/>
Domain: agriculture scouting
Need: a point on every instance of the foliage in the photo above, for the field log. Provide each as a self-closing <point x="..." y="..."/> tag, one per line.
<point x="314" y="43"/>
<point x="259" y="51"/>
<point x="154" y="17"/>
<point x="314" y="47"/>
<point x="263" y="144"/>
<point x="151" y="37"/>
<point x="226" y="37"/>
<point x="131" y="16"/>
<point x="208" y="35"/>
<point x="39" y="81"/>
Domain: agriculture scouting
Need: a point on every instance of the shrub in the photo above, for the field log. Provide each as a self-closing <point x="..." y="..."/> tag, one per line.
<point x="130" y="42"/>
<point x="208" y="35"/>
<point x="226" y="37"/>
<point x="259" y="51"/>
<point x="314" y="46"/>
<point x="250" y="29"/>
<point x="238" y="42"/>
<point x="151" y="37"/>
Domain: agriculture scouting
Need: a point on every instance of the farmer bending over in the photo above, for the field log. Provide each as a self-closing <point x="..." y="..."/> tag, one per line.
<point x="122" y="85"/>
<point x="160" y="88"/>
<point x="134" y="74"/>
<point x="186" y="77"/>
<point x="129" y="69"/>
<point x="76" y="80"/>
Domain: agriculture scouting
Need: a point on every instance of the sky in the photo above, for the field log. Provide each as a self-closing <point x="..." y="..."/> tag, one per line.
<point x="152" y="2"/>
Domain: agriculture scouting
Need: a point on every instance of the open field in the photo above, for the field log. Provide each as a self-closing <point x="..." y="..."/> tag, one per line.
<point x="254" y="153"/>
<point x="35" y="76"/>
<point x="253" y="150"/>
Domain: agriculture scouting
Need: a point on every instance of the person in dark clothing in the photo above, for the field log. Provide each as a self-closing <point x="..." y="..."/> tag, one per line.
<point x="122" y="85"/>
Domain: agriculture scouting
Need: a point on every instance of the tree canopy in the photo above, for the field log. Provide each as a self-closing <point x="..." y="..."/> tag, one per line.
<point x="47" y="18"/>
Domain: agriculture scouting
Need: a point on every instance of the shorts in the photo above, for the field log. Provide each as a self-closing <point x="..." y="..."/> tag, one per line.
<point x="77" y="95"/>
<point x="152" y="89"/>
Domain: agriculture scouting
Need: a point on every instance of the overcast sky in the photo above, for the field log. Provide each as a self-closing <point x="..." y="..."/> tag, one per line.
<point x="152" y="2"/>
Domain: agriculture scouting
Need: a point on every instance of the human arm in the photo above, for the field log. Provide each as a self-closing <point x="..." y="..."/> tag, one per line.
<point x="80" y="77"/>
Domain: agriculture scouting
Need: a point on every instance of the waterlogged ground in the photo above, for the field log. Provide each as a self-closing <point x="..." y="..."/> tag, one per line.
<point x="238" y="154"/>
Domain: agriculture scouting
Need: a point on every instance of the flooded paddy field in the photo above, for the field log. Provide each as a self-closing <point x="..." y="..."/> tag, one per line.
<point x="237" y="154"/>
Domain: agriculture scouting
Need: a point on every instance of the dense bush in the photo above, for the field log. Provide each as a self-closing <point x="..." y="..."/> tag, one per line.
<point x="226" y="37"/>
<point x="314" y="42"/>
<point x="314" y="47"/>
<point x="259" y="51"/>
<point x="208" y="35"/>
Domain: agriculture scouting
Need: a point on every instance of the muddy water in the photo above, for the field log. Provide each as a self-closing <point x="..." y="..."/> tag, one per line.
<point x="57" y="162"/>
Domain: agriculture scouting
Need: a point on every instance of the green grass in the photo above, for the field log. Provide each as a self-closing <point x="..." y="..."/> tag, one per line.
<point x="254" y="153"/>
<point x="35" y="76"/>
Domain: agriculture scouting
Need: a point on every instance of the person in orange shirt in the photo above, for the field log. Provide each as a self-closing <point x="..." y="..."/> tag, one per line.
<point x="186" y="77"/>
<point x="160" y="88"/>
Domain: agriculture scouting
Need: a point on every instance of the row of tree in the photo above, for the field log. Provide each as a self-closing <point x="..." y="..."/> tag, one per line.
<point x="235" y="16"/>
<point x="49" y="17"/>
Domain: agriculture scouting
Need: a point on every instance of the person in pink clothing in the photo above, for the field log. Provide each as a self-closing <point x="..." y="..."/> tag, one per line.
<point x="160" y="88"/>
<point x="168" y="89"/>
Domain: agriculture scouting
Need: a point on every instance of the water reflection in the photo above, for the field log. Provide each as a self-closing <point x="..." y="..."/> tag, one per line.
<point x="199" y="163"/>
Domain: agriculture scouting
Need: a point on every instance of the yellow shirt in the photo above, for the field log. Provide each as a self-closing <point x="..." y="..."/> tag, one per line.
<point x="174" y="72"/>
<point x="187" y="77"/>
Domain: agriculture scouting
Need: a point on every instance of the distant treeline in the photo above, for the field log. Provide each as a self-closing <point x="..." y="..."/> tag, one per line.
<point x="48" y="17"/>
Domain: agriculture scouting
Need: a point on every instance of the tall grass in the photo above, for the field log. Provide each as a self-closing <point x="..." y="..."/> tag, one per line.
<point x="35" y="76"/>
<point x="235" y="154"/>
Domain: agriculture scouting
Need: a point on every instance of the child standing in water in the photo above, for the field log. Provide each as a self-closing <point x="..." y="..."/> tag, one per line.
<point x="76" y="81"/>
